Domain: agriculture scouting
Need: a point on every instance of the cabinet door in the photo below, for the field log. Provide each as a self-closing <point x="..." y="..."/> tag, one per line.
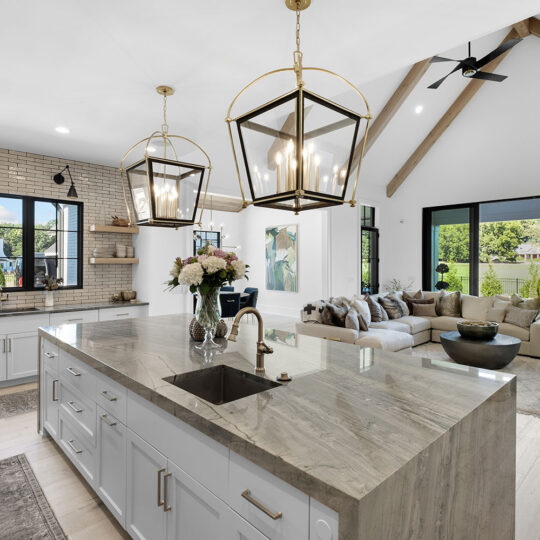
<point x="22" y="351"/>
<point x="239" y="529"/>
<point x="145" y="518"/>
<point x="3" y="357"/>
<point x="49" y="389"/>
<point x="193" y="512"/>
<point x="111" y="467"/>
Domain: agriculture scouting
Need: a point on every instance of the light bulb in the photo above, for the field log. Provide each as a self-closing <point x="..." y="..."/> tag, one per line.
<point x="311" y="147"/>
<point x="294" y="163"/>
<point x="325" y="179"/>
<point x="336" y="168"/>
<point x="266" y="177"/>
<point x="290" y="146"/>
<point x="304" y="153"/>
<point x="317" y="160"/>
<point x="343" y="173"/>
<point x="279" y="158"/>
<point x="62" y="129"/>
<point x="255" y="168"/>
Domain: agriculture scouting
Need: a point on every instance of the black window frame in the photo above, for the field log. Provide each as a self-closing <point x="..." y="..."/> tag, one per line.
<point x="367" y="224"/>
<point x="205" y="232"/>
<point x="474" y="239"/>
<point x="28" y="238"/>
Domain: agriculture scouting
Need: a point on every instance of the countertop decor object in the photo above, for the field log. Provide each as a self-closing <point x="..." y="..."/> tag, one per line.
<point x="120" y="251"/>
<point x="300" y="150"/>
<point x="485" y="330"/>
<point x="494" y="353"/>
<point x="129" y="295"/>
<point x="165" y="191"/>
<point x="120" y="222"/>
<point x="205" y="274"/>
<point x="51" y="284"/>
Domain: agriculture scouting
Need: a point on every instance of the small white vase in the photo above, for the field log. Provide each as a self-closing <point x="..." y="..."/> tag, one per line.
<point x="49" y="299"/>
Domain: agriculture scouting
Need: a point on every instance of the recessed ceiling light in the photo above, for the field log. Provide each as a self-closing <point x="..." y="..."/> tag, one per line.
<point x="62" y="129"/>
<point x="418" y="109"/>
<point x="151" y="148"/>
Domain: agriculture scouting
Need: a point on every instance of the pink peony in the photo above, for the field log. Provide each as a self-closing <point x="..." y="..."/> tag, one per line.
<point x="220" y="253"/>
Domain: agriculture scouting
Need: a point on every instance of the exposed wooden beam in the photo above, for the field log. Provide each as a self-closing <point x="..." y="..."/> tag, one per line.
<point x="534" y="26"/>
<point x="448" y="117"/>
<point x="392" y="106"/>
<point x="522" y="28"/>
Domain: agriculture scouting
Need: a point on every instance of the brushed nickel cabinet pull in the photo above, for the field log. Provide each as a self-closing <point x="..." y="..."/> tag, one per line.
<point x="74" y="407"/>
<point x="50" y="355"/>
<point x="3" y="345"/>
<point x="106" y="395"/>
<point x="75" y="320"/>
<point x="9" y="344"/>
<point x="73" y="447"/>
<point x="122" y="314"/>
<point x="166" y="507"/>
<point x="160" y="502"/>
<point x="105" y="418"/>
<point x="54" y="396"/>
<point x="73" y="372"/>
<point x="247" y="495"/>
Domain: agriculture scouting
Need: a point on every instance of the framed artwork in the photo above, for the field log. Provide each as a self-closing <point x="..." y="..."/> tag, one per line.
<point x="281" y="251"/>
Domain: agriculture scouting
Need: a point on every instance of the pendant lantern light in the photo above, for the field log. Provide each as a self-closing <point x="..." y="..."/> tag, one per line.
<point x="299" y="150"/>
<point x="165" y="192"/>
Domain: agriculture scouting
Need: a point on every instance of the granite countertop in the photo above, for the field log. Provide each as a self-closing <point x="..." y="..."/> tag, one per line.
<point x="349" y="419"/>
<point x="68" y="307"/>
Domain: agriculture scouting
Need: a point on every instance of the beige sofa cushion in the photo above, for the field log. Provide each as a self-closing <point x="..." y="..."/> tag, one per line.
<point x="362" y="307"/>
<point x="392" y="325"/>
<point x="514" y="331"/>
<point x="346" y="335"/>
<point x="475" y="307"/>
<point x="446" y="324"/>
<point x="387" y="340"/>
<point x="416" y="324"/>
<point x="428" y="295"/>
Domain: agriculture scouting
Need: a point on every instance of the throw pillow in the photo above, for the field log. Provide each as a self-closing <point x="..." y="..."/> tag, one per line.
<point x="426" y="309"/>
<point x="363" y="323"/>
<point x="475" y="308"/>
<point x="341" y="301"/>
<point x="385" y="316"/>
<point x="525" y="303"/>
<point x="391" y="306"/>
<point x="351" y="320"/>
<point x="402" y="303"/>
<point x="312" y="312"/>
<point x="496" y="314"/>
<point x="375" y="309"/>
<point x="363" y="309"/>
<point x="520" y="317"/>
<point x="448" y="304"/>
<point x="407" y="297"/>
<point x="334" y="315"/>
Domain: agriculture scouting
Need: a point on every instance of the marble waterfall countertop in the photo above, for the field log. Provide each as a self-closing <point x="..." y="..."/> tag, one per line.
<point x="349" y="419"/>
<point x="64" y="308"/>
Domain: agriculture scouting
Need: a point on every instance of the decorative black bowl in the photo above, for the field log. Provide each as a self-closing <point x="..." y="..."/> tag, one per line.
<point x="478" y="329"/>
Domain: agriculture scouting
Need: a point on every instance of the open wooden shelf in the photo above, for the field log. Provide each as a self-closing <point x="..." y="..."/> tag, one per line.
<point x="113" y="260"/>
<point x="114" y="229"/>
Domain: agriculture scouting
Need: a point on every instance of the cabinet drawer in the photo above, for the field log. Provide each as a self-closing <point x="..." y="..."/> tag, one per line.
<point x="80" y="409"/>
<point x="255" y="493"/>
<point x="111" y="396"/>
<point x="49" y="355"/>
<point x="73" y="317"/>
<point x="77" y="374"/>
<point x="76" y="447"/>
<point x="23" y="323"/>
<point x="126" y="312"/>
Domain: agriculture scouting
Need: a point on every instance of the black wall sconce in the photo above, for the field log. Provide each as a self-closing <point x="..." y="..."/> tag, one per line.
<point x="59" y="179"/>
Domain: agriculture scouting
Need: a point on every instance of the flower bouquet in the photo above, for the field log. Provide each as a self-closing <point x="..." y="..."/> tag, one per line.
<point x="51" y="284"/>
<point x="205" y="274"/>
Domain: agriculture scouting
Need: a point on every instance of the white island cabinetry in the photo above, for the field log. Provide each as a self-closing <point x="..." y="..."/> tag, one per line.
<point x="161" y="478"/>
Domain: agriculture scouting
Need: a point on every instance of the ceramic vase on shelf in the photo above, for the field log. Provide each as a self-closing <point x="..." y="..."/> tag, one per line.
<point x="208" y="314"/>
<point x="49" y="298"/>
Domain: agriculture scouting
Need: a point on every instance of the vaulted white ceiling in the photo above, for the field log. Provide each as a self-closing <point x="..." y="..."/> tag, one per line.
<point x="93" y="66"/>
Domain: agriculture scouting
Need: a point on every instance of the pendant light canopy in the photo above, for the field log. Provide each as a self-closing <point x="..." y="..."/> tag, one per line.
<point x="165" y="191"/>
<point x="299" y="150"/>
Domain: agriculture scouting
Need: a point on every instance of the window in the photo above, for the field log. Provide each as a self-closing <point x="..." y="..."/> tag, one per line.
<point x="201" y="238"/>
<point x="484" y="248"/>
<point x="39" y="237"/>
<point x="370" y="250"/>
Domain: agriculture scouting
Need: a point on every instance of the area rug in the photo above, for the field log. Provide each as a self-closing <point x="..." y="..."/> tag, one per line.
<point x="526" y="369"/>
<point x="25" y="513"/>
<point x="18" y="403"/>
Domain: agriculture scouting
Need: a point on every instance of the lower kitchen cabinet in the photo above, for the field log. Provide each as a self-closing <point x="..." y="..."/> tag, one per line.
<point x="145" y="516"/>
<point x="111" y="469"/>
<point x="21" y="355"/>
<point x="239" y="529"/>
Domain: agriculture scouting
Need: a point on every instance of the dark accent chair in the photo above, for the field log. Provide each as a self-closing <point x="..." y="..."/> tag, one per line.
<point x="251" y="300"/>
<point x="227" y="289"/>
<point x="230" y="304"/>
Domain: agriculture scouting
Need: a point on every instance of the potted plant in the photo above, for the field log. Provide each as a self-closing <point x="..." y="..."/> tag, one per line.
<point x="205" y="274"/>
<point x="51" y="284"/>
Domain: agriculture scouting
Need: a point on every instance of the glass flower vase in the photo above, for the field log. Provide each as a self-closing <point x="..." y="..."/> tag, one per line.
<point x="208" y="314"/>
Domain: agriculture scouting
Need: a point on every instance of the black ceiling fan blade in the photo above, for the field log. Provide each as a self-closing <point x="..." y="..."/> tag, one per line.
<point x="442" y="59"/>
<point x="488" y="76"/>
<point x="438" y="83"/>
<point x="497" y="52"/>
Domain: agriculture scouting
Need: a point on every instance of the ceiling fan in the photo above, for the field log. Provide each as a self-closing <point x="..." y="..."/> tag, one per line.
<point x="470" y="66"/>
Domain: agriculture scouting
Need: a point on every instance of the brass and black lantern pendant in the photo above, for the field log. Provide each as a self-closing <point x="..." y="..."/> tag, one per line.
<point x="165" y="192"/>
<point x="299" y="150"/>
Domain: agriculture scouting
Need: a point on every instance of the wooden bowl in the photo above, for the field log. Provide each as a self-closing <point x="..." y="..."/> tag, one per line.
<point x="129" y="295"/>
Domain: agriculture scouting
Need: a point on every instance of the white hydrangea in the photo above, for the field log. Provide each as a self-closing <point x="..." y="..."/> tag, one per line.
<point x="211" y="248"/>
<point x="214" y="264"/>
<point x="239" y="269"/>
<point x="192" y="274"/>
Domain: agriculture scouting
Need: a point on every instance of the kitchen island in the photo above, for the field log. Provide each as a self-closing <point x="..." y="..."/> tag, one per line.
<point x="378" y="445"/>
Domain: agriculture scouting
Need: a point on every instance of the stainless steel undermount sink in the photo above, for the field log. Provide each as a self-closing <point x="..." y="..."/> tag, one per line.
<point x="18" y="310"/>
<point x="221" y="384"/>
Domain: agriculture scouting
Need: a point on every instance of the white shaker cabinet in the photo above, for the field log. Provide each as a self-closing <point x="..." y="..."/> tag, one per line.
<point x="49" y="397"/>
<point x="239" y="529"/>
<point x="21" y="350"/>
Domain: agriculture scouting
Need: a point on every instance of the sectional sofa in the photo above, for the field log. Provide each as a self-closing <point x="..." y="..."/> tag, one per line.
<point x="406" y="332"/>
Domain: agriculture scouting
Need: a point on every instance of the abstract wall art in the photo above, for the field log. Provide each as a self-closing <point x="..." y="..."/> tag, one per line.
<point x="281" y="246"/>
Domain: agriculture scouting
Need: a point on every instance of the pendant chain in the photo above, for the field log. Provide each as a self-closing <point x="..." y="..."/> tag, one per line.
<point x="165" y="127"/>
<point x="297" y="55"/>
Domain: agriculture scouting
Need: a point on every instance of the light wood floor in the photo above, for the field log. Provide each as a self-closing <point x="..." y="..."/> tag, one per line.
<point x="83" y="516"/>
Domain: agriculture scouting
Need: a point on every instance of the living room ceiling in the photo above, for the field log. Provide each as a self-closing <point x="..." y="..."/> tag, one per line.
<point x="93" y="66"/>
